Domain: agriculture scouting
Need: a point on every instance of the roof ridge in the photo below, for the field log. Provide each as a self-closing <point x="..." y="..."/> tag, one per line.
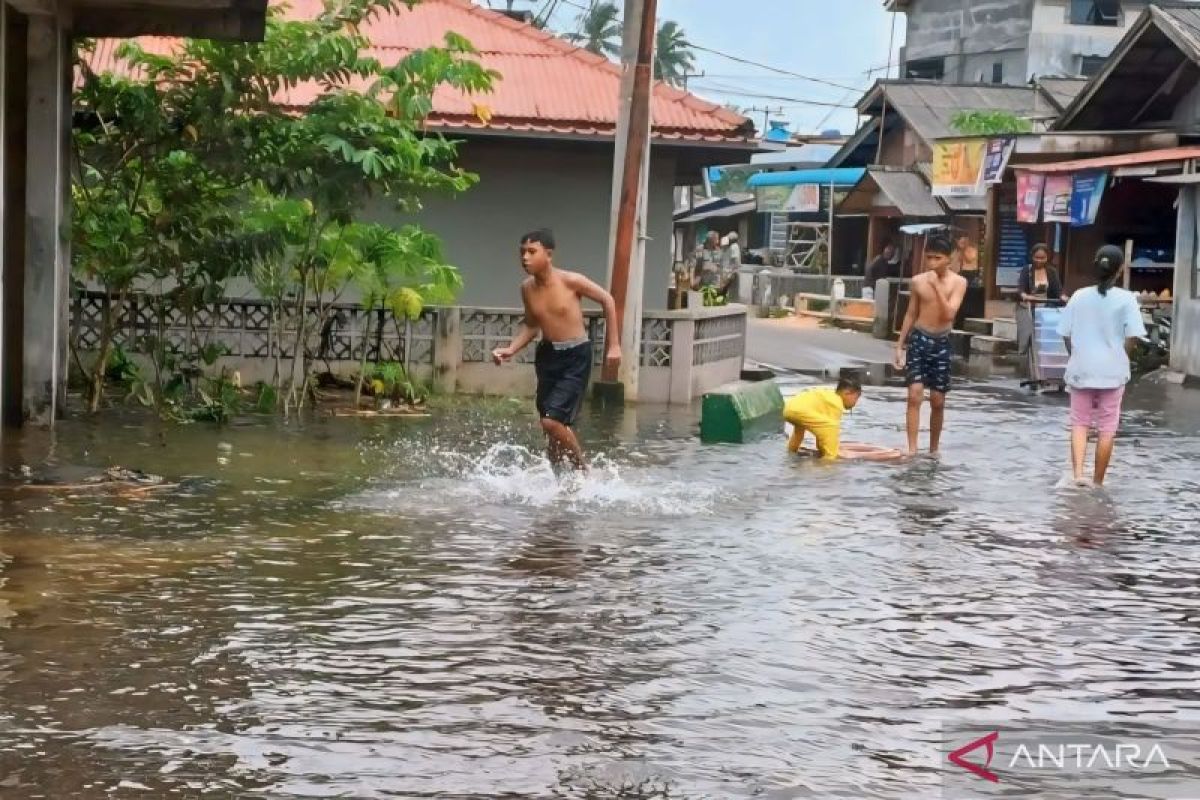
<point x="659" y="87"/>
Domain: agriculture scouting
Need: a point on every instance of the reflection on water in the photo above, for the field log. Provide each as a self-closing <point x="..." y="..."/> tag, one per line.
<point x="421" y="609"/>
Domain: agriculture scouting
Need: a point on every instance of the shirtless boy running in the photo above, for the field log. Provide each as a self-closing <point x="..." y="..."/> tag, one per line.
<point x="934" y="300"/>
<point x="553" y="306"/>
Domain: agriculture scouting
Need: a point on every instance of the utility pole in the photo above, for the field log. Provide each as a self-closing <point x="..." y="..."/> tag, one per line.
<point x="630" y="181"/>
<point x="766" y="112"/>
<point x="688" y="75"/>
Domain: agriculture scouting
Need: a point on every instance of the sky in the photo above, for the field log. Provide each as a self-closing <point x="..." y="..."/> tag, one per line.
<point x="835" y="40"/>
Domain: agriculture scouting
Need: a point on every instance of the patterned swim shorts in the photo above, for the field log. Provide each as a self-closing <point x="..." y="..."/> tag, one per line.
<point x="929" y="360"/>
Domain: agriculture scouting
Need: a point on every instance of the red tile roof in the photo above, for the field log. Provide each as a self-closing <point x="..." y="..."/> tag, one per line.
<point x="547" y="85"/>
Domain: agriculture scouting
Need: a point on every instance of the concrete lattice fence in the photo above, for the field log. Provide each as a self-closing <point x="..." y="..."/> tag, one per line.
<point x="683" y="353"/>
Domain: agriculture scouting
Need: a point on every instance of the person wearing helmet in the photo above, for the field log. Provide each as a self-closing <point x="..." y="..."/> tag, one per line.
<point x="1100" y="325"/>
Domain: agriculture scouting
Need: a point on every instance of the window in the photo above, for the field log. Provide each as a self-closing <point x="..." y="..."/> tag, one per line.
<point x="1096" y="12"/>
<point x="998" y="72"/>
<point x="1090" y="65"/>
<point x="933" y="69"/>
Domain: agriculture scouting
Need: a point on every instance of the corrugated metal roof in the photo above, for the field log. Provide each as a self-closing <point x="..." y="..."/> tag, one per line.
<point x="720" y="212"/>
<point x="907" y="193"/>
<point x="1062" y="90"/>
<point x="1185" y="19"/>
<point x="796" y="177"/>
<point x="547" y="85"/>
<point x="929" y="107"/>
<point x="1165" y="156"/>
<point x="902" y="190"/>
<point x="1139" y="85"/>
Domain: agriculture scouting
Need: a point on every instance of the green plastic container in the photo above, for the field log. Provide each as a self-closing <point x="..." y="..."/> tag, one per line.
<point x="738" y="412"/>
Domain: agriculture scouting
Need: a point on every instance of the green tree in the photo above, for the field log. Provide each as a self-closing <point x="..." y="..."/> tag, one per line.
<point x="599" y="30"/>
<point x="309" y="133"/>
<point x="146" y="213"/>
<point x="994" y="123"/>
<point x="673" y="55"/>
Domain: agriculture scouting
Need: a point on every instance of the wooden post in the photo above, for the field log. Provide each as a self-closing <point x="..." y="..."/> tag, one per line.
<point x="630" y="190"/>
<point x="989" y="248"/>
<point x="1125" y="278"/>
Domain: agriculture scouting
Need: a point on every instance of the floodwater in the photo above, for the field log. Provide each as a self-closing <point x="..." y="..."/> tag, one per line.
<point x="417" y="608"/>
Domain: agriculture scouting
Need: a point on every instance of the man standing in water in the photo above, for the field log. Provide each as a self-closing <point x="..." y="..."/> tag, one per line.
<point x="924" y="345"/>
<point x="553" y="305"/>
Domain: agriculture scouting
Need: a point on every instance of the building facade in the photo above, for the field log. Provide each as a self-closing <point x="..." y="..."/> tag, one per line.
<point x="1011" y="41"/>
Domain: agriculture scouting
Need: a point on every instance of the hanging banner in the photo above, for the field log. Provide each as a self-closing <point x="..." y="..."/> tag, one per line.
<point x="958" y="167"/>
<point x="995" y="158"/>
<point x="805" y="199"/>
<point x="1029" y="196"/>
<point x="772" y="199"/>
<point x="1056" y="199"/>
<point x="1087" y="188"/>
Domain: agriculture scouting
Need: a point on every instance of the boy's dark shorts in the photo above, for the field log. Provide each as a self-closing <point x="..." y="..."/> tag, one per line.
<point x="562" y="380"/>
<point x="929" y="361"/>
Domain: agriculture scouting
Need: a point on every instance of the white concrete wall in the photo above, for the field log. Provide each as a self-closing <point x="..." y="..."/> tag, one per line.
<point x="1030" y="37"/>
<point x="1055" y="45"/>
<point x="522" y="187"/>
<point x="1185" y="324"/>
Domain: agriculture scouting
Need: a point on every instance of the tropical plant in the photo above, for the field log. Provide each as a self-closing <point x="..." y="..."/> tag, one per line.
<point x="599" y="30"/>
<point x="673" y="55"/>
<point x="712" y="296"/>
<point x="390" y="381"/>
<point x="994" y="123"/>
<point x="216" y="121"/>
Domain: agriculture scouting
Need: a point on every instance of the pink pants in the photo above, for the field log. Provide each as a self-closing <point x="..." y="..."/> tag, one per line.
<point x="1097" y="408"/>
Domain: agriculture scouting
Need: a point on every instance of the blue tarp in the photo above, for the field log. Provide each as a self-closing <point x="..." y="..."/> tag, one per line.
<point x="843" y="177"/>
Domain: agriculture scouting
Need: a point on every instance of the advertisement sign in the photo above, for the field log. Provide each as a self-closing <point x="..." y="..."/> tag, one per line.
<point x="805" y="198"/>
<point x="1029" y="196"/>
<point x="1056" y="199"/>
<point x="772" y="199"/>
<point x="995" y="158"/>
<point x="1087" y="188"/>
<point x="958" y="167"/>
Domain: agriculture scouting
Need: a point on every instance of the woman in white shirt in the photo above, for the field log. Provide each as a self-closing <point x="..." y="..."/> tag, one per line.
<point x="1099" y="324"/>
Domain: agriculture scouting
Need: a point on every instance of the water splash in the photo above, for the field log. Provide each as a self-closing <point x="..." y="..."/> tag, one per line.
<point x="505" y="475"/>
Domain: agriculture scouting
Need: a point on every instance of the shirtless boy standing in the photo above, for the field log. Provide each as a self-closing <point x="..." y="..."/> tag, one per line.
<point x="934" y="300"/>
<point x="553" y="306"/>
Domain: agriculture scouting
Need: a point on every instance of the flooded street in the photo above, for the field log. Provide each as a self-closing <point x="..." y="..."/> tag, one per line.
<point x="417" y="608"/>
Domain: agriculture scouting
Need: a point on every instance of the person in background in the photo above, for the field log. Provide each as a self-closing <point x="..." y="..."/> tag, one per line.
<point x="1038" y="283"/>
<point x="885" y="265"/>
<point x="732" y="253"/>
<point x="731" y="262"/>
<point x="1100" y="326"/>
<point x="965" y="259"/>
<point x="706" y="263"/>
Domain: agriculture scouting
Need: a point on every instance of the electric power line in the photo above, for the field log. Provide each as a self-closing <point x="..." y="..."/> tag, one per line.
<point x="746" y="61"/>
<point x="797" y="100"/>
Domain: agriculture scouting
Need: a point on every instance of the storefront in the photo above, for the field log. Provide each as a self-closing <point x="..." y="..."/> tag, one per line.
<point x="797" y="224"/>
<point x="1078" y="206"/>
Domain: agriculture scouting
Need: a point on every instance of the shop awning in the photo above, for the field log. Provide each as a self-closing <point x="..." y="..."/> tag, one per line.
<point x="966" y="204"/>
<point x="843" y="178"/>
<point x="1144" y="158"/>
<point x="904" y="191"/>
<point x="721" y="211"/>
